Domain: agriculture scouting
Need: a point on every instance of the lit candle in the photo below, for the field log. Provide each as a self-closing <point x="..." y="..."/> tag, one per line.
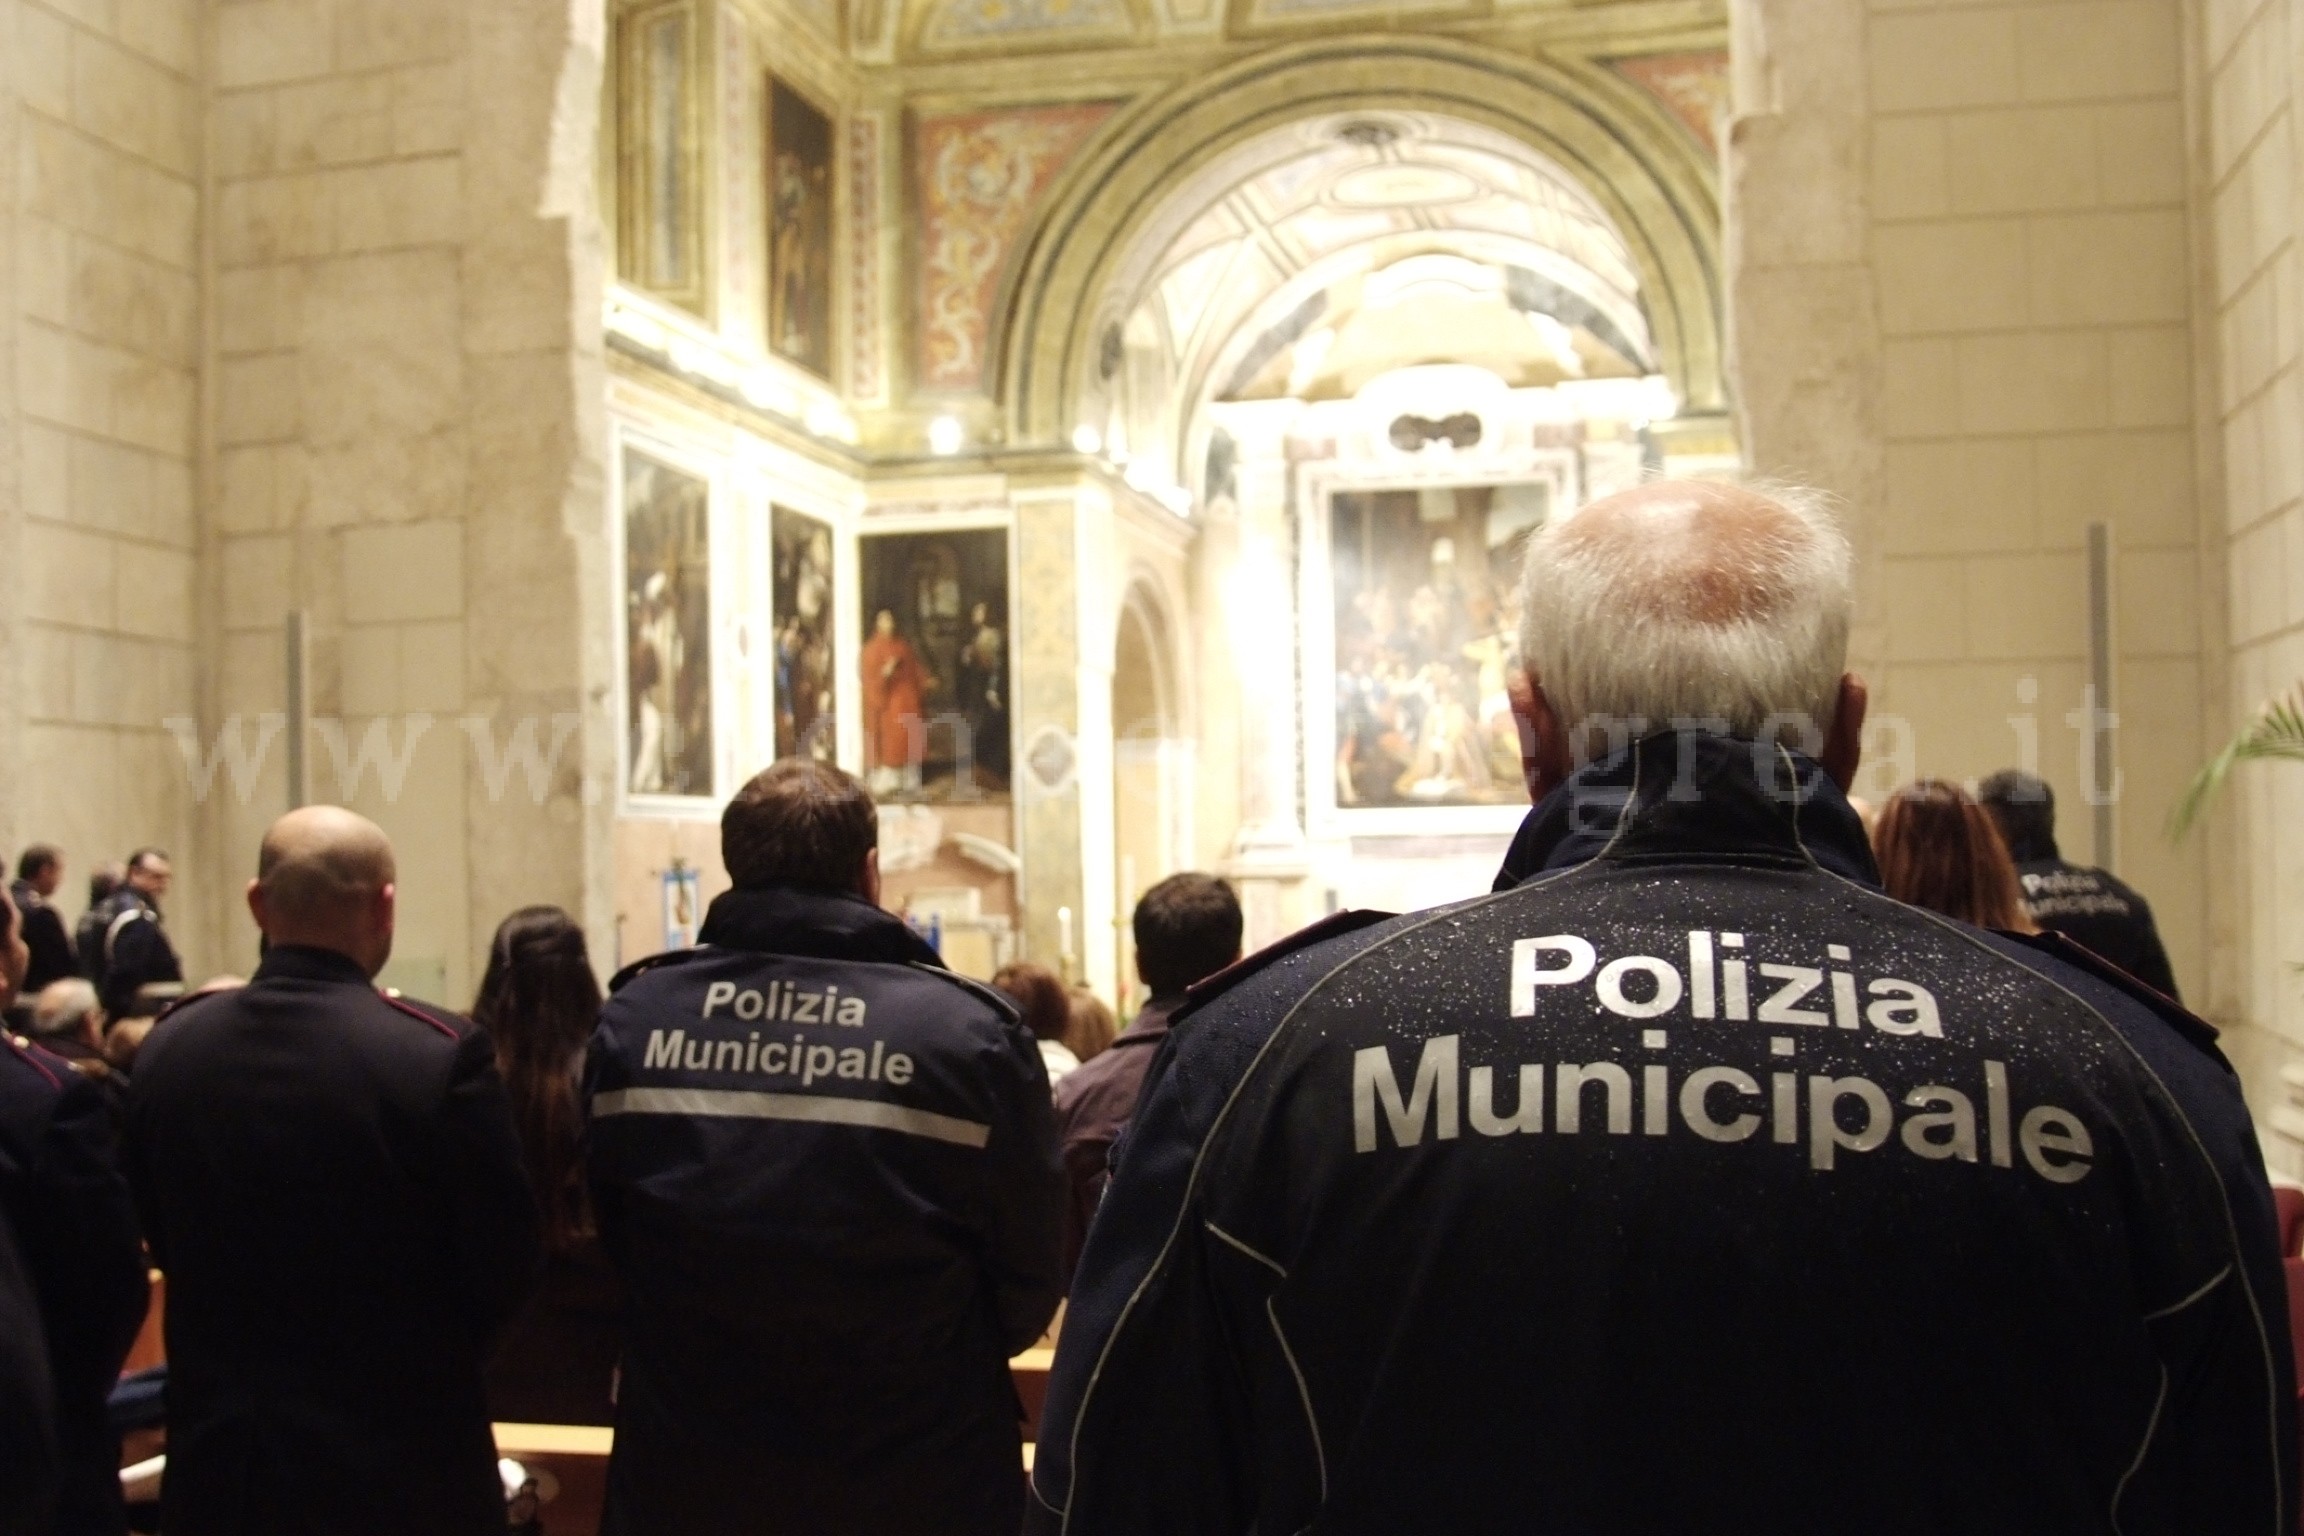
<point x="1064" y="932"/>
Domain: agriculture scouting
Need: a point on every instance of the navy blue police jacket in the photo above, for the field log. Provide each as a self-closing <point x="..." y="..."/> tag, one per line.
<point x="1685" y="1183"/>
<point x="827" y="1171"/>
<point x="330" y="1178"/>
<point x="74" y="1225"/>
<point x="28" y="1457"/>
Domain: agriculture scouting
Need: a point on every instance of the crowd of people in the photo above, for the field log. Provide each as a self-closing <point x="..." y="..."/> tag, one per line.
<point x="1744" y="1159"/>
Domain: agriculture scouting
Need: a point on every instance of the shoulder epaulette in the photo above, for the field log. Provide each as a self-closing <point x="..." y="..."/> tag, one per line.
<point x="647" y="963"/>
<point x="185" y="1000"/>
<point x="35" y="1057"/>
<point x="1350" y="920"/>
<point x="437" y="1019"/>
<point x="992" y="997"/>
<point x="2165" y="1008"/>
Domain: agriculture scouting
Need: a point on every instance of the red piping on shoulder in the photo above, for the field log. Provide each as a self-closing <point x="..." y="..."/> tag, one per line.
<point x="417" y="1013"/>
<point x="32" y="1060"/>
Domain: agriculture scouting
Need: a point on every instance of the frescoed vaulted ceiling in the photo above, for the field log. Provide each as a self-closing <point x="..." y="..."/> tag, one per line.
<point x="1351" y="245"/>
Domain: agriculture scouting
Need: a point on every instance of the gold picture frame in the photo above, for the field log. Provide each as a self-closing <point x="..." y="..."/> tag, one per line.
<point x="661" y="247"/>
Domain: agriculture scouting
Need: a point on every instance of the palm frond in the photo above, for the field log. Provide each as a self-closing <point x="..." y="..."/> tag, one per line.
<point x="2276" y="732"/>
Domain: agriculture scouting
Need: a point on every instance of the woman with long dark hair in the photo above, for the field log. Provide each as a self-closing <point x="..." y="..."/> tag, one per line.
<point x="539" y="1001"/>
<point x="1939" y="849"/>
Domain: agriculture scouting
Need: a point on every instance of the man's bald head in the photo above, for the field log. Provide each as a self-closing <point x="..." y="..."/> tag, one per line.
<point x="1687" y="600"/>
<point x="325" y="879"/>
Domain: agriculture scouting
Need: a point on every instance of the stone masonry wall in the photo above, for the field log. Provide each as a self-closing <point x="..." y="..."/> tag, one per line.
<point x="408" y="392"/>
<point x="99" y="349"/>
<point x="1961" y="284"/>
<point x="2244" y="54"/>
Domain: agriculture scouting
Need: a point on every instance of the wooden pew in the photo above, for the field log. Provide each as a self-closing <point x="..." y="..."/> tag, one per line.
<point x="570" y="1461"/>
<point x="150" y="1348"/>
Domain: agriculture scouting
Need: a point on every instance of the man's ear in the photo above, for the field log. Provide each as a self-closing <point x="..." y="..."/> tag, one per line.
<point x="256" y="903"/>
<point x="869" y="886"/>
<point x="1544" y="760"/>
<point x="1844" y="742"/>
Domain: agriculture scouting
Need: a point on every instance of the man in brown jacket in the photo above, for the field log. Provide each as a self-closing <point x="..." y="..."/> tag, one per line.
<point x="1187" y="927"/>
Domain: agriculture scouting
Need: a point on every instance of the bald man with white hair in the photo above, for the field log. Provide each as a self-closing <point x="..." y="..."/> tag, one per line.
<point x="1686" y="1182"/>
<point x="329" y="1175"/>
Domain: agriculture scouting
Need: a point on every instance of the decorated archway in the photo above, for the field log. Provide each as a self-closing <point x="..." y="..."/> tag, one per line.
<point x="1119" y="200"/>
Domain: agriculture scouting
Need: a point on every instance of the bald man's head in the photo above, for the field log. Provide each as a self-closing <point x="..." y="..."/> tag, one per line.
<point x="325" y="879"/>
<point x="1686" y="600"/>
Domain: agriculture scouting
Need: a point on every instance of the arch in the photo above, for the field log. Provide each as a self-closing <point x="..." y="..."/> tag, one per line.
<point x="1151" y="799"/>
<point x="1143" y="616"/>
<point x="1662" y="200"/>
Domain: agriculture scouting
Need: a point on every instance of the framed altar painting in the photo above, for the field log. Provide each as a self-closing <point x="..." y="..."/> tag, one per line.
<point x="1411" y="611"/>
<point x="933" y="673"/>
<point x="660" y="157"/>
<point x="666" y="582"/>
<point x="799" y="202"/>
<point x="800" y="606"/>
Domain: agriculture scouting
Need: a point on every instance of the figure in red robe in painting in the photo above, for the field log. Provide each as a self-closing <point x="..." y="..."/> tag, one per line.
<point x="895" y="732"/>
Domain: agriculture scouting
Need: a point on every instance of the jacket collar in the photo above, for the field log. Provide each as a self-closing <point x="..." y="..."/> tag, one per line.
<point x="803" y="920"/>
<point x="1694" y="797"/>
<point x="302" y="962"/>
<point x="1151" y="1021"/>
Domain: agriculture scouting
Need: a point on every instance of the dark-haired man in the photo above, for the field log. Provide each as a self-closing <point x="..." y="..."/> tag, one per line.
<point x="124" y="948"/>
<point x="1187" y="927"/>
<point x="330" y="1178"/>
<point x="2091" y="907"/>
<point x="38" y="875"/>
<point x="826" y="1168"/>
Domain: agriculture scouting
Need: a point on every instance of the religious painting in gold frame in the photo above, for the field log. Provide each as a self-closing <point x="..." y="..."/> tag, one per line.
<point x="1408" y="601"/>
<point x="800" y="604"/>
<point x="667" y="653"/>
<point x="799" y="202"/>
<point x="933" y="666"/>
<point x="660" y="158"/>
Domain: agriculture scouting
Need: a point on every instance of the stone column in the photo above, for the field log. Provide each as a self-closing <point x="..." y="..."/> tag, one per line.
<point x="1269" y="857"/>
<point x="1804" y="333"/>
<point x="1047" y="776"/>
<point x="408" y="392"/>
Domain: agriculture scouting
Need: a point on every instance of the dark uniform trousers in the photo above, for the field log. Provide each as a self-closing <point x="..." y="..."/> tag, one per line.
<point x="74" y="1229"/>
<point x="1688" y="1183"/>
<point x="826" y="1168"/>
<point x="330" y="1178"/>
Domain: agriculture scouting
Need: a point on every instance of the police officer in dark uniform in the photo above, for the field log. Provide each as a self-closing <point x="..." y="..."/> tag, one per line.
<point x="73" y="1229"/>
<point x="826" y="1168"/>
<point x="124" y="947"/>
<point x="38" y="874"/>
<point x="1687" y="1183"/>
<point x="28" y="1472"/>
<point x="331" y="1181"/>
<point x="2091" y="907"/>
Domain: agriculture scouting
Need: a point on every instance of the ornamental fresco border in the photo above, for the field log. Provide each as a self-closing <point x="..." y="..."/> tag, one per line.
<point x="867" y="371"/>
<point x="1692" y="86"/>
<point x="981" y="175"/>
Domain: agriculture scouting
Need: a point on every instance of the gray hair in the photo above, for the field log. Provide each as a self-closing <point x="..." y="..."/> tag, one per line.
<point x="63" y="1007"/>
<point x="1662" y="610"/>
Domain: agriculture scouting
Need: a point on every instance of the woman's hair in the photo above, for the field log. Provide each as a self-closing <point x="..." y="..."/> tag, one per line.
<point x="1038" y="994"/>
<point x="538" y="1002"/>
<point x="1939" y="849"/>
<point x="1092" y="1027"/>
